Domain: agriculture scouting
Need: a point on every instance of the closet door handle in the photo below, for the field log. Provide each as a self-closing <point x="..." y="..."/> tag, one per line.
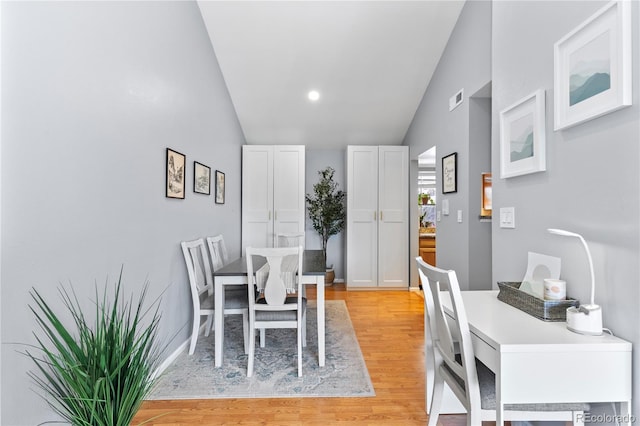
<point x="381" y="216"/>
<point x="269" y="214"/>
<point x="374" y="215"/>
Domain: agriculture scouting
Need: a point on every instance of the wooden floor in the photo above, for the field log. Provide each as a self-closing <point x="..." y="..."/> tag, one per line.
<point x="389" y="326"/>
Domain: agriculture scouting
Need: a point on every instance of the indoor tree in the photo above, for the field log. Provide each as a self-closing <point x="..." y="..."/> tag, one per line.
<point x="326" y="207"/>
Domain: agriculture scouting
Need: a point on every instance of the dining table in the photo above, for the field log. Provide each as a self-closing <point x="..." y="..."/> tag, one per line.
<point x="235" y="273"/>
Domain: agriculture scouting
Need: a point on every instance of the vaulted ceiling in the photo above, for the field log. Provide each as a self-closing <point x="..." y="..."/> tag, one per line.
<point x="370" y="62"/>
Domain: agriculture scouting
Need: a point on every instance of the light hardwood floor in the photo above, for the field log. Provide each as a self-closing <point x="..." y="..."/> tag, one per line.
<point x="389" y="327"/>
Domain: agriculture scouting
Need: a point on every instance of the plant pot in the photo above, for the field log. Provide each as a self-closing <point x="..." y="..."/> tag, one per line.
<point x="329" y="276"/>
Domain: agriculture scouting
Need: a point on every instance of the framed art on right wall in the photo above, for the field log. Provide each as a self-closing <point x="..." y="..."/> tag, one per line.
<point x="592" y="67"/>
<point x="522" y="136"/>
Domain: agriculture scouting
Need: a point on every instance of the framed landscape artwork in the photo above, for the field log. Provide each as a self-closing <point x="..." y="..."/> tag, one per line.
<point x="449" y="173"/>
<point x="175" y="174"/>
<point x="592" y="67"/>
<point x="219" y="187"/>
<point x="201" y="178"/>
<point x="522" y="136"/>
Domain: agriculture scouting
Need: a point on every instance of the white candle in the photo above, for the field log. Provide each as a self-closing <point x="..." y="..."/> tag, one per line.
<point x="555" y="289"/>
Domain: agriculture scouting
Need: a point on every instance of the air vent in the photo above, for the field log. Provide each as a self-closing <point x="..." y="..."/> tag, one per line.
<point x="456" y="100"/>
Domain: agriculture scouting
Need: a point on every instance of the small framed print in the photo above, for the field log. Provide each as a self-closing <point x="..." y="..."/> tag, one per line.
<point x="201" y="178"/>
<point x="219" y="187"/>
<point x="450" y="173"/>
<point x="522" y="136"/>
<point x="592" y="67"/>
<point x="175" y="174"/>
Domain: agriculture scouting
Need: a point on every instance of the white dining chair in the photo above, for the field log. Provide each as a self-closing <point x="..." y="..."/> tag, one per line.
<point x="202" y="294"/>
<point x="471" y="381"/>
<point x="290" y="239"/>
<point x="217" y="251"/>
<point x="275" y="297"/>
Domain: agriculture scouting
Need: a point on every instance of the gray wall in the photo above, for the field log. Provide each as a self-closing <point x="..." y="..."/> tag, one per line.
<point x="592" y="182"/>
<point x="92" y="94"/>
<point x="465" y="64"/>
<point x="316" y="160"/>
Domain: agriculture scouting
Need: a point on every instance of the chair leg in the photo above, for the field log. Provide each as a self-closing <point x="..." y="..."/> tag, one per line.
<point x="436" y="399"/>
<point x="194" y="333"/>
<point x="262" y="337"/>
<point x="304" y="328"/>
<point x="299" y="333"/>
<point x="209" y="325"/>
<point x="252" y="349"/>
<point x="245" y="330"/>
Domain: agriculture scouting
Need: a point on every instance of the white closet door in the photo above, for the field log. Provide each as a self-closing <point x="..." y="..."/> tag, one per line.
<point x="362" y="216"/>
<point x="393" y="225"/>
<point x="257" y="196"/>
<point x="288" y="189"/>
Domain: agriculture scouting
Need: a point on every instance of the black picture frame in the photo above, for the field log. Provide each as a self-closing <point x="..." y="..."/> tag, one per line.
<point x="201" y="178"/>
<point x="220" y="185"/>
<point x="175" y="174"/>
<point x="450" y="173"/>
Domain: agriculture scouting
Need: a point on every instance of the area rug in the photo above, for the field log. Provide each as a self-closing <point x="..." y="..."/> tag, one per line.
<point x="275" y="369"/>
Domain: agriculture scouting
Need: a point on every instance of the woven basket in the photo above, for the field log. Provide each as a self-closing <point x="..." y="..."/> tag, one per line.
<point x="546" y="310"/>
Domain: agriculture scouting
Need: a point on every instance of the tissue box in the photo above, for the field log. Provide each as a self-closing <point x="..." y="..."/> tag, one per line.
<point x="546" y="310"/>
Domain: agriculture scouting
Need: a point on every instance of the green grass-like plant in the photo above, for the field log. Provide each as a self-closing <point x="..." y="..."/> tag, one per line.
<point x="98" y="373"/>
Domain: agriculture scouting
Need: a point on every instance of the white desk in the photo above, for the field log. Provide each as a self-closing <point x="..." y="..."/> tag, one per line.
<point x="235" y="273"/>
<point x="537" y="361"/>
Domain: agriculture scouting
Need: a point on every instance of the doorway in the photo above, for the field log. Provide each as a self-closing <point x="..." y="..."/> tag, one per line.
<point x="426" y="206"/>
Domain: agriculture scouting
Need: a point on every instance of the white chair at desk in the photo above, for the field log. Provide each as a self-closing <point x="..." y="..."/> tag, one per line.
<point x="456" y="365"/>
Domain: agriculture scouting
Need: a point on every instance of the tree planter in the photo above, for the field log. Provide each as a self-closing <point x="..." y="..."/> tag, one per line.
<point x="329" y="277"/>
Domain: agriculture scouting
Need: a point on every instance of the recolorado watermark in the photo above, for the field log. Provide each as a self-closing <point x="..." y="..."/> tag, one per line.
<point x="606" y="418"/>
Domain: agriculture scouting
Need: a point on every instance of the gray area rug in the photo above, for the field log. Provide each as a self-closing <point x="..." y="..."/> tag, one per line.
<point x="275" y="370"/>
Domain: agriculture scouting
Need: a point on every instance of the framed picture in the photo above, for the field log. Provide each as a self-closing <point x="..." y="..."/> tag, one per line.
<point x="450" y="173"/>
<point x="175" y="174"/>
<point x="522" y="136"/>
<point x="592" y="67"/>
<point x="201" y="178"/>
<point x="219" y="187"/>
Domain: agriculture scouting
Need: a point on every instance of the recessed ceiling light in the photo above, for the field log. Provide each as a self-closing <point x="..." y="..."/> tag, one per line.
<point x="313" y="95"/>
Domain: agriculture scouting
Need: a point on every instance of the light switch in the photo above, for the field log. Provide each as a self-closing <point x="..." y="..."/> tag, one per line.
<point x="459" y="216"/>
<point x="438" y="216"/>
<point x="445" y="207"/>
<point x="507" y="217"/>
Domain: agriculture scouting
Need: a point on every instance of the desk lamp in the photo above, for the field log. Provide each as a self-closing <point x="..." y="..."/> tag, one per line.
<point x="585" y="319"/>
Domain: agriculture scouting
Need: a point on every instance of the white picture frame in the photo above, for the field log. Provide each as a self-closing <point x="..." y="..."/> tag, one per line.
<point x="592" y="67"/>
<point x="523" y="136"/>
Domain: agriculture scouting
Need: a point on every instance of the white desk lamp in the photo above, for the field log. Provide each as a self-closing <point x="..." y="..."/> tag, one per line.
<point x="585" y="319"/>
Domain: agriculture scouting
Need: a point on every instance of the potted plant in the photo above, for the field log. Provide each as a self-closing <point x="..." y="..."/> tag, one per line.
<point x="327" y="211"/>
<point x="98" y="371"/>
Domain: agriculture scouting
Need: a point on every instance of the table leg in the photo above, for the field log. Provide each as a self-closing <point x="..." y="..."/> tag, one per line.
<point x="499" y="404"/>
<point x="218" y="317"/>
<point x="625" y="413"/>
<point x="321" y="315"/>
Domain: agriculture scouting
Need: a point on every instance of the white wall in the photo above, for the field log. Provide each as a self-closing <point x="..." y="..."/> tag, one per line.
<point x="92" y="95"/>
<point x="592" y="182"/>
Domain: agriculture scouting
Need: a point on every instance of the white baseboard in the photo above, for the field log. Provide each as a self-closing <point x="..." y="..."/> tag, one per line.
<point x="174" y="355"/>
